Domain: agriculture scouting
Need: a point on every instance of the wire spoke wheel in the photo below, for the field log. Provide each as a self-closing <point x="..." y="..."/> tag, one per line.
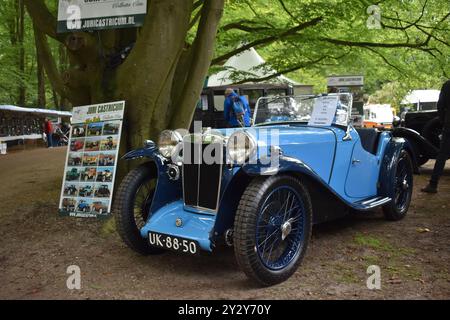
<point x="279" y="229"/>
<point x="401" y="192"/>
<point x="132" y="206"/>
<point x="272" y="228"/>
<point x="142" y="202"/>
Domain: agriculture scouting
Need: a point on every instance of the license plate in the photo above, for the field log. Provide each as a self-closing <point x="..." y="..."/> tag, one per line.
<point x="172" y="243"/>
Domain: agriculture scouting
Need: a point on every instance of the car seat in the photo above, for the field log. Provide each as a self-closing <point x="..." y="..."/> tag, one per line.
<point x="369" y="139"/>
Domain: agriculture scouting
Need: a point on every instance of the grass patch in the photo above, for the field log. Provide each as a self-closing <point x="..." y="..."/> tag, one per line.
<point x="348" y="277"/>
<point x="443" y="275"/>
<point x="108" y="228"/>
<point x="402" y="270"/>
<point x="391" y="258"/>
<point x="345" y="274"/>
<point x="371" y="260"/>
<point x="372" y="242"/>
<point x="378" y="244"/>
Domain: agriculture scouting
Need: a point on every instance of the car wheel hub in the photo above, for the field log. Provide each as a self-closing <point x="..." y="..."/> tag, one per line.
<point x="286" y="229"/>
<point x="405" y="185"/>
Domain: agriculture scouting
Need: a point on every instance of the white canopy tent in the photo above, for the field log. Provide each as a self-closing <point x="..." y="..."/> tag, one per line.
<point x="422" y="98"/>
<point x="416" y="96"/>
<point x="247" y="62"/>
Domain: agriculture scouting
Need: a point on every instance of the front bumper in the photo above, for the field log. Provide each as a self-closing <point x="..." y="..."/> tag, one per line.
<point x="194" y="226"/>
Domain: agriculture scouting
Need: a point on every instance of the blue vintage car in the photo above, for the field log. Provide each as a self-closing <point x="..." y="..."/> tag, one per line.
<point x="266" y="187"/>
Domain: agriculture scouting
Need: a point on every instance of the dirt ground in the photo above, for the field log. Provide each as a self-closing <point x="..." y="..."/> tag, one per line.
<point x="37" y="246"/>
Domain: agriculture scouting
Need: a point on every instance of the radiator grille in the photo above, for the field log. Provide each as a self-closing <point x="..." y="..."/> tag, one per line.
<point x="201" y="180"/>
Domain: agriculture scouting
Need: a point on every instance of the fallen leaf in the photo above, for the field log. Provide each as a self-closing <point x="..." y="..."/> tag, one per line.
<point x="423" y="230"/>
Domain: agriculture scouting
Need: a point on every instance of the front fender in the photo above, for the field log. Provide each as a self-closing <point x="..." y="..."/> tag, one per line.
<point x="388" y="165"/>
<point x="149" y="151"/>
<point x="237" y="179"/>
<point x="423" y="145"/>
<point x="166" y="190"/>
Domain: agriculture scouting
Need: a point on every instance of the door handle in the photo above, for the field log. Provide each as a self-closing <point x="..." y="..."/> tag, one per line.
<point x="355" y="161"/>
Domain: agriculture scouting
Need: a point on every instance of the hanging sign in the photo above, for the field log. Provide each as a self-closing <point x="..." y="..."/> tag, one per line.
<point x="91" y="160"/>
<point x="340" y="81"/>
<point x="83" y="15"/>
<point x="354" y="85"/>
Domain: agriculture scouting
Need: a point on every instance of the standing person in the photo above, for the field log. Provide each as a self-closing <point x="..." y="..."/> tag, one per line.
<point x="49" y="132"/>
<point x="236" y="110"/>
<point x="443" y="107"/>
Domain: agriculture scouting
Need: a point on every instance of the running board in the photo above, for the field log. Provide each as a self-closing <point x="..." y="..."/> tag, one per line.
<point x="371" y="203"/>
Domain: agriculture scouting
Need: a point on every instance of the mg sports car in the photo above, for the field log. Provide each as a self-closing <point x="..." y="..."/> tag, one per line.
<point x="260" y="189"/>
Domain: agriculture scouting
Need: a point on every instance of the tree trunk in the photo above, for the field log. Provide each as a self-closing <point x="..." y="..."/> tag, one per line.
<point x="144" y="81"/>
<point x="55" y="100"/>
<point x="20" y="37"/>
<point x="41" y="101"/>
<point x="202" y="54"/>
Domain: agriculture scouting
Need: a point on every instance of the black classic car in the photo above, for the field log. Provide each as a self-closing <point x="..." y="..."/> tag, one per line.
<point x="423" y="131"/>
<point x="70" y="190"/>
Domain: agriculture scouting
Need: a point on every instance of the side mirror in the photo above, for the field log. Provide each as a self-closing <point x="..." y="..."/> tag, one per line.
<point x="396" y="121"/>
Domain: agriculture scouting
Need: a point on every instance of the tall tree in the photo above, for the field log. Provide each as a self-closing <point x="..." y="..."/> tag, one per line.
<point x="41" y="100"/>
<point x="20" y="7"/>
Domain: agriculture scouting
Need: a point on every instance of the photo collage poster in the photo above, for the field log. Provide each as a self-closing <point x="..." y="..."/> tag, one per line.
<point x="91" y="160"/>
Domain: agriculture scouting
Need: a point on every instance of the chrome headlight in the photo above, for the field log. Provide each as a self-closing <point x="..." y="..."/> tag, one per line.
<point x="167" y="142"/>
<point x="241" y="147"/>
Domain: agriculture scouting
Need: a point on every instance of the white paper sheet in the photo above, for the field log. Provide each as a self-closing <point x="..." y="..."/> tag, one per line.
<point x="324" y="111"/>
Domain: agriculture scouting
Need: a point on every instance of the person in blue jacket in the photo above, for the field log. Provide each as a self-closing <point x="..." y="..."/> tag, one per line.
<point x="236" y="109"/>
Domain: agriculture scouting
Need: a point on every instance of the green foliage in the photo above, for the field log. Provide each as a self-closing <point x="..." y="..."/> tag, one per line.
<point x="11" y="77"/>
<point x="409" y="51"/>
<point x="419" y="30"/>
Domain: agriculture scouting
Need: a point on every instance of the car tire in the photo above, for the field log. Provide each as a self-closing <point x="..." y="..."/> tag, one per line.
<point x="401" y="187"/>
<point x="123" y="210"/>
<point x="248" y="247"/>
<point x="431" y="132"/>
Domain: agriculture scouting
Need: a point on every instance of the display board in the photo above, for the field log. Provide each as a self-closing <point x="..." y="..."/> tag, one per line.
<point x="91" y="160"/>
<point x="83" y="15"/>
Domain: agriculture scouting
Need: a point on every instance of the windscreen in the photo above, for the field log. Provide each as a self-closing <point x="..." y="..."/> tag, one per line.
<point x="304" y="108"/>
